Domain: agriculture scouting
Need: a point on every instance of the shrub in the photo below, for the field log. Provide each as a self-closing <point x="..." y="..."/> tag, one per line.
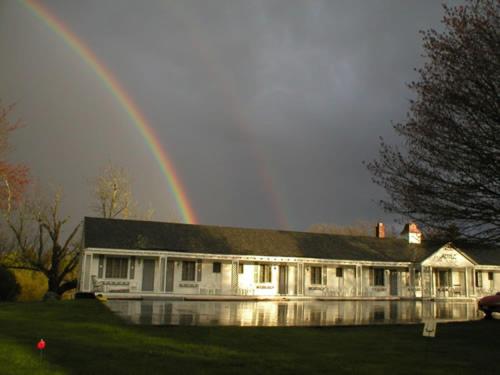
<point x="33" y="285"/>
<point x="9" y="288"/>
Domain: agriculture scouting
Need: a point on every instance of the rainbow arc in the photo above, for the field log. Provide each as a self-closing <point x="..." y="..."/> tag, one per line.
<point x="116" y="89"/>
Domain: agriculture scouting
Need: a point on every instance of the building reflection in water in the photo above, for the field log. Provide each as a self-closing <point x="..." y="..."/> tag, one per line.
<point x="290" y="313"/>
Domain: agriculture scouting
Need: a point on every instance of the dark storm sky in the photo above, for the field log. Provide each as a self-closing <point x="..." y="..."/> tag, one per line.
<point x="267" y="108"/>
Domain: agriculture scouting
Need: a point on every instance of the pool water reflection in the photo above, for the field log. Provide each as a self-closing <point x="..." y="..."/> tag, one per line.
<point x="290" y="313"/>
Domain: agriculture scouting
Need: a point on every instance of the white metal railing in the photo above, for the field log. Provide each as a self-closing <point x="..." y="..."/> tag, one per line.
<point x="486" y="291"/>
<point x="108" y="285"/>
<point x="339" y="292"/>
<point x="450" y="292"/>
<point x="210" y="291"/>
<point x="245" y="291"/>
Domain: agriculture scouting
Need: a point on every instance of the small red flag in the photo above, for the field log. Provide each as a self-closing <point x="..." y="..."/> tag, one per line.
<point x="41" y="344"/>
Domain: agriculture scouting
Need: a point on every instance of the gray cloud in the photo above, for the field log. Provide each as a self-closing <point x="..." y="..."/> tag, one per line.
<point x="236" y="91"/>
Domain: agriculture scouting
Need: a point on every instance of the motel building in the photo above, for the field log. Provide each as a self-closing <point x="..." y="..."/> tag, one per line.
<point x="145" y="259"/>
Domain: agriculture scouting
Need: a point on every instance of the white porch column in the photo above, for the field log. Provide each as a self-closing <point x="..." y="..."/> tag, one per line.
<point x="466" y="280"/>
<point x="163" y="272"/>
<point x="234" y="277"/>
<point x="157" y="275"/>
<point x="356" y="280"/>
<point x="473" y="269"/>
<point x="86" y="267"/>
<point x="356" y="275"/>
<point x="411" y="284"/>
<point x="300" y="279"/>
<point x="361" y="278"/>
<point x="431" y="276"/>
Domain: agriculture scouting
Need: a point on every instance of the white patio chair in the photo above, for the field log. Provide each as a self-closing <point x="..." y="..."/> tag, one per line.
<point x="97" y="285"/>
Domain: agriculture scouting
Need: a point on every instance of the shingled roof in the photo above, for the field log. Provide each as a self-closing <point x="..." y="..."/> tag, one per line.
<point x="150" y="235"/>
<point x="481" y="254"/>
<point x="190" y="238"/>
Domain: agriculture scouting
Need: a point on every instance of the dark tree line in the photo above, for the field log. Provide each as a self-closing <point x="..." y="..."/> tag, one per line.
<point x="447" y="174"/>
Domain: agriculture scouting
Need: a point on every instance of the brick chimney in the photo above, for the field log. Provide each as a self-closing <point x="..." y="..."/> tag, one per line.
<point x="380" y="230"/>
<point x="412" y="233"/>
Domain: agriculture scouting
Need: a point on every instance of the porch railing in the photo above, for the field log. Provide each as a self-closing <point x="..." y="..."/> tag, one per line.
<point x="103" y="285"/>
<point x="480" y="292"/>
<point x="339" y="292"/>
<point x="450" y="292"/>
<point x="211" y="291"/>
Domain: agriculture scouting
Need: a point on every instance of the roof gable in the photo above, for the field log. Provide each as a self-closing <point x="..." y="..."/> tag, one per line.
<point x="448" y="256"/>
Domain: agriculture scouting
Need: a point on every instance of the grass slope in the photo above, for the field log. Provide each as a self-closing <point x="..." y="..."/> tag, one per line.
<point x="83" y="337"/>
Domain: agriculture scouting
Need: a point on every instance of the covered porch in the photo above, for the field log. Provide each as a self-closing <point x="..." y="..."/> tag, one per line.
<point x="449" y="274"/>
<point x="169" y="274"/>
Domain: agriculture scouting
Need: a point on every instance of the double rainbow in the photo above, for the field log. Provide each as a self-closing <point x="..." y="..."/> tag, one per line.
<point x="115" y="88"/>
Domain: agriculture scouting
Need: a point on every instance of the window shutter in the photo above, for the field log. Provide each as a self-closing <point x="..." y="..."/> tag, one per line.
<point x="323" y="271"/>
<point x="255" y="273"/>
<point x="101" y="266"/>
<point x="370" y="274"/>
<point x="198" y="270"/>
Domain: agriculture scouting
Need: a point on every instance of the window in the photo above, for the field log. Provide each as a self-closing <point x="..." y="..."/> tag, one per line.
<point x="490" y="276"/>
<point x="116" y="268"/>
<point x="216" y="267"/>
<point x="265" y="273"/>
<point x="188" y="271"/>
<point x="443" y="279"/>
<point x="315" y="275"/>
<point x="241" y="268"/>
<point x="479" y="279"/>
<point x="340" y="272"/>
<point x="378" y="277"/>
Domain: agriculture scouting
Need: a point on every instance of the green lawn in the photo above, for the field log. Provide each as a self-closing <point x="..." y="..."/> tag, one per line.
<point x="83" y="337"/>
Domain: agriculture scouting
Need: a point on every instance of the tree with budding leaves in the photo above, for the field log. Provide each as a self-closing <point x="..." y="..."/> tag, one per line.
<point x="13" y="177"/>
<point x="447" y="175"/>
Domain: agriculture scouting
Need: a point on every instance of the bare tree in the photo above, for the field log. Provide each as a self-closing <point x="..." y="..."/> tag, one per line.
<point x="113" y="196"/>
<point x="447" y="178"/>
<point x="40" y="244"/>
